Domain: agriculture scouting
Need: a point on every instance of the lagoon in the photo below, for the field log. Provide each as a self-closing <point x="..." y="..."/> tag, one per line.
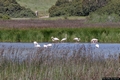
<point x="23" y="51"/>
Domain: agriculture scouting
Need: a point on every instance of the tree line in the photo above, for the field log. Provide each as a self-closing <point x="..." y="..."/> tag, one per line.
<point x="85" y="8"/>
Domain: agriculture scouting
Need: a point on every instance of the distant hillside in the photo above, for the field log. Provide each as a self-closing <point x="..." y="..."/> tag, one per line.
<point x="41" y="6"/>
<point x="14" y="10"/>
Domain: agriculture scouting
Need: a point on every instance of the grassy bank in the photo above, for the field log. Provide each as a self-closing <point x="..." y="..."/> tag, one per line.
<point x="44" y="34"/>
<point x="41" y="6"/>
<point x="49" y="67"/>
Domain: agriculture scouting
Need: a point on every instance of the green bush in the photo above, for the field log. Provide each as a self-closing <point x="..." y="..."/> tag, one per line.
<point x="60" y="2"/>
<point x="68" y="8"/>
<point x="108" y="13"/>
<point x="25" y="13"/>
<point x="94" y="17"/>
<point x="4" y="17"/>
<point x="13" y="9"/>
<point x="76" y="7"/>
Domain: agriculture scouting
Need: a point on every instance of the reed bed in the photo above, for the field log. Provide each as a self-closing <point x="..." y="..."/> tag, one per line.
<point x="56" y="64"/>
<point x="104" y="35"/>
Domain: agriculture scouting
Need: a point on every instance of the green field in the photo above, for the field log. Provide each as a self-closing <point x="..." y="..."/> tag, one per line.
<point x="41" y="6"/>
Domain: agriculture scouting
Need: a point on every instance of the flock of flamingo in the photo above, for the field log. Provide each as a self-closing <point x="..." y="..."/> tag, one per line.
<point x="55" y="39"/>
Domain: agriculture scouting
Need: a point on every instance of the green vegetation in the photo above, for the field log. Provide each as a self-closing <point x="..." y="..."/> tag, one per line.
<point x="97" y="10"/>
<point x="76" y="7"/>
<point x="96" y="18"/>
<point x="14" y="10"/>
<point x="42" y="6"/>
<point x="113" y="7"/>
<point x="4" y="17"/>
<point x="108" y="13"/>
<point x="45" y="34"/>
<point x="40" y="66"/>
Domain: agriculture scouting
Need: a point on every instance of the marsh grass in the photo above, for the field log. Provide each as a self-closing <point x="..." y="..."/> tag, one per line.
<point x="54" y="64"/>
<point x="109" y="35"/>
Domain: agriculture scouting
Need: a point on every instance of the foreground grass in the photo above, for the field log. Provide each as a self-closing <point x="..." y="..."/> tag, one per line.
<point x="42" y="6"/>
<point x="49" y="67"/>
<point x="44" y="34"/>
<point x="60" y="69"/>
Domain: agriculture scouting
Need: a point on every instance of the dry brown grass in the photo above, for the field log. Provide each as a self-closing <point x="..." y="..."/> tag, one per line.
<point x="53" y="24"/>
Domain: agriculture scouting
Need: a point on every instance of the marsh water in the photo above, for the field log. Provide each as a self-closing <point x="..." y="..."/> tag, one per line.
<point x="22" y="51"/>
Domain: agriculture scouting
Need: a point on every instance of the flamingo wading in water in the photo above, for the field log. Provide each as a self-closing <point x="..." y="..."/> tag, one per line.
<point x="97" y="45"/>
<point x="94" y="40"/>
<point x="54" y="39"/>
<point x="64" y="39"/>
<point x="36" y="44"/>
<point x="76" y="39"/>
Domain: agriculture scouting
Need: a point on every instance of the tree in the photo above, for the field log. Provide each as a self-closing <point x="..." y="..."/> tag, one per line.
<point x="76" y="7"/>
<point x="13" y="9"/>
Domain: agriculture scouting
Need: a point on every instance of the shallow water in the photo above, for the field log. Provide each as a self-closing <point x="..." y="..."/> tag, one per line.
<point x="21" y="51"/>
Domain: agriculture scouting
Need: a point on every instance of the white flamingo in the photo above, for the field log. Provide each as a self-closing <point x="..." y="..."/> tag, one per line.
<point x="36" y="44"/>
<point x="64" y="39"/>
<point x="97" y="45"/>
<point x="49" y="45"/>
<point x="45" y="46"/>
<point x="76" y="39"/>
<point x="54" y="39"/>
<point x="94" y="40"/>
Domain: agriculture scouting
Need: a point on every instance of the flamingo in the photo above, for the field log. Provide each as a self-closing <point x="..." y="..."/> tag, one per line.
<point x="54" y="39"/>
<point x="76" y="39"/>
<point x="64" y="39"/>
<point x="36" y="44"/>
<point x="45" y="46"/>
<point x="97" y="45"/>
<point x="94" y="40"/>
<point x="49" y="44"/>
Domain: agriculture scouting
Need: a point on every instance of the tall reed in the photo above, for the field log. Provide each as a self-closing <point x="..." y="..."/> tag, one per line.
<point x="45" y="34"/>
<point x="46" y="64"/>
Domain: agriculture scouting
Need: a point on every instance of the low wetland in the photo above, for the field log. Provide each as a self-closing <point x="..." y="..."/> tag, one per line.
<point x="55" y="63"/>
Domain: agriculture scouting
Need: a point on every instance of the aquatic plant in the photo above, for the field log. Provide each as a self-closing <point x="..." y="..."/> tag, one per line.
<point x="54" y="64"/>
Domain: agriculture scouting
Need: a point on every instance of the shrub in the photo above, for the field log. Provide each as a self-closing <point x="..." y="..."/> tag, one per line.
<point x="76" y="7"/>
<point x="13" y="9"/>
<point x="4" y="17"/>
<point x="94" y="17"/>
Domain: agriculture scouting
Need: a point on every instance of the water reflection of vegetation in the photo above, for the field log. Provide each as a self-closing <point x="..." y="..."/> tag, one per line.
<point x="44" y="34"/>
<point x="49" y="66"/>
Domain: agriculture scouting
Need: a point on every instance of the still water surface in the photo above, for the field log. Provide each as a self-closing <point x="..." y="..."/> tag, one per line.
<point x="26" y="49"/>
